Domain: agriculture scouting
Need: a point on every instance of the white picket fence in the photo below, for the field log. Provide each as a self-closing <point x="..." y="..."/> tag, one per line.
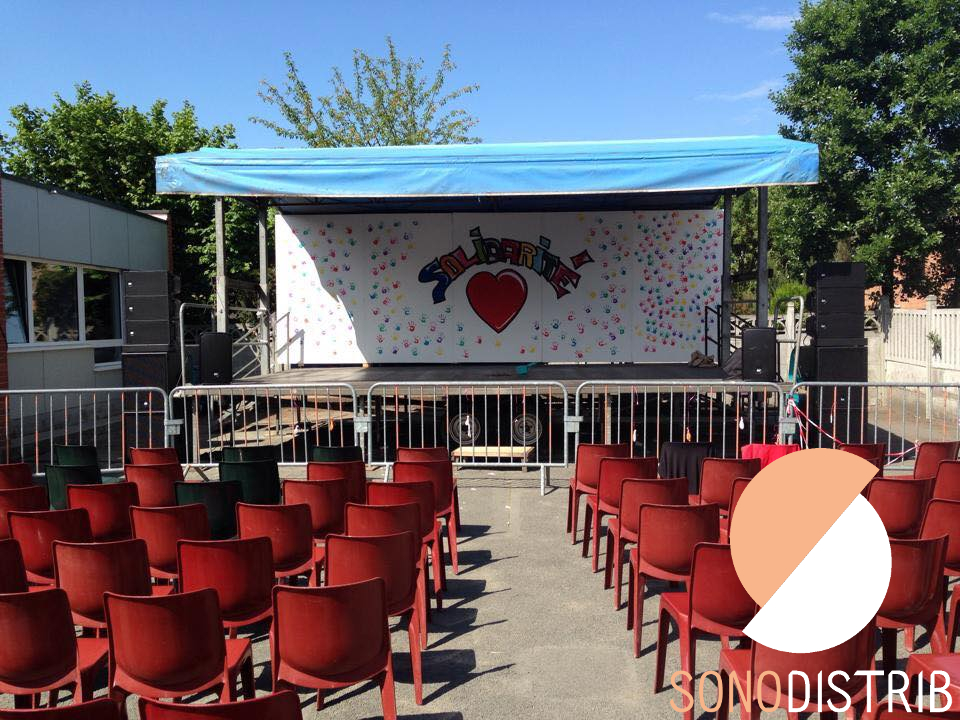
<point x="908" y="341"/>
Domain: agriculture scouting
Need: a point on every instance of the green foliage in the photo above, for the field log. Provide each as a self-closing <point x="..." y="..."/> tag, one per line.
<point x="877" y="85"/>
<point x="90" y="144"/>
<point x="786" y="289"/>
<point x="388" y="101"/>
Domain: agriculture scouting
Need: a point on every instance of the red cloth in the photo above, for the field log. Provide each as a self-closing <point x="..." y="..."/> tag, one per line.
<point x="766" y="453"/>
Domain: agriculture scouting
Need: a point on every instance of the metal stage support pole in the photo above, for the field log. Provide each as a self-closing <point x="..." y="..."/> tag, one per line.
<point x="726" y="282"/>
<point x="263" y="304"/>
<point x="763" y="247"/>
<point x="221" y="301"/>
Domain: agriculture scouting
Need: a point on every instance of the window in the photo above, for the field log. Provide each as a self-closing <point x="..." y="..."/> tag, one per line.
<point x="15" y="300"/>
<point x="55" y="312"/>
<point x="101" y="304"/>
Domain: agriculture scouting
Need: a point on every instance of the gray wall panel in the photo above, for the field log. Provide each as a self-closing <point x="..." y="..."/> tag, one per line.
<point x="64" y="228"/>
<point x="21" y="229"/>
<point x="109" y="245"/>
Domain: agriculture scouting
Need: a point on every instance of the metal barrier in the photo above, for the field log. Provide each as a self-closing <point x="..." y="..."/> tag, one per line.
<point x="648" y="414"/>
<point x="499" y="424"/>
<point x="901" y="415"/>
<point x="112" y="419"/>
<point x="292" y="417"/>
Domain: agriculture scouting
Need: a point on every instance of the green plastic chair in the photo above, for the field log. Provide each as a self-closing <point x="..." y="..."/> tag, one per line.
<point x="346" y="453"/>
<point x="259" y="480"/>
<point x="249" y="453"/>
<point x="59" y="476"/>
<point x="75" y="455"/>
<point x="220" y="499"/>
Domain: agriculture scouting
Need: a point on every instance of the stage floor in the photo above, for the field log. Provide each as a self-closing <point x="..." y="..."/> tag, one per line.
<point x="570" y="375"/>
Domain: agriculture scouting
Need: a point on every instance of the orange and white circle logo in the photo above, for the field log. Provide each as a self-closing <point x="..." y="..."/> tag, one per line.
<point x="811" y="550"/>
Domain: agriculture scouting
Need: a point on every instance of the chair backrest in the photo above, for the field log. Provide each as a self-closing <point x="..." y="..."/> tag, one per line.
<point x="931" y="454"/>
<point x="36" y="531"/>
<point x="241" y="571"/>
<point x="419" y="493"/>
<point x="875" y="453"/>
<point x="900" y="503"/>
<point x="25" y="498"/>
<point x="154" y="456"/>
<point x="13" y="575"/>
<point x="717" y="476"/>
<point x="330" y="631"/>
<point x="326" y="498"/>
<point x="354" y="472"/>
<point x="635" y="492"/>
<point x="614" y="470"/>
<point x="916" y="578"/>
<point x="219" y="497"/>
<point x="283" y="705"/>
<point x="345" y="453"/>
<point x="85" y="571"/>
<point x="75" y="455"/>
<point x="259" y="480"/>
<point x="162" y="527"/>
<point x="438" y="473"/>
<point x="942" y="518"/>
<point x="669" y="534"/>
<point x="165" y="644"/>
<point x="717" y="597"/>
<point x="250" y="453"/>
<point x="108" y="507"/>
<point x="947" y="485"/>
<point x="59" y="476"/>
<point x="424" y="454"/>
<point x="15" y="475"/>
<point x="39" y="642"/>
<point x="99" y="709"/>
<point x="390" y="557"/>
<point x="382" y="519"/>
<point x="736" y="492"/>
<point x="155" y="483"/>
<point x="289" y="528"/>
<point x="587" y="468"/>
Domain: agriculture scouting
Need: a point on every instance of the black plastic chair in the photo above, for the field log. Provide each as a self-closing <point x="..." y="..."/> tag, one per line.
<point x="249" y="453"/>
<point x="75" y="455"/>
<point x="259" y="480"/>
<point x="220" y="499"/>
<point x="59" y="476"/>
<point x="346" y="453"/>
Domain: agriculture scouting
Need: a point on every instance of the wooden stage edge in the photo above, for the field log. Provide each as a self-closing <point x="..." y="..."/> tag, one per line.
<point x="569" y="375"/>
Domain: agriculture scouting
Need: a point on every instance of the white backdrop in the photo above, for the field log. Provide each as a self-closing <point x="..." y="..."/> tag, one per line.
<point x="507" y="287"/>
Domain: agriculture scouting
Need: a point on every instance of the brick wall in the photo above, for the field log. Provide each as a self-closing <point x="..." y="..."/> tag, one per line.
<point x="3" y="303"/>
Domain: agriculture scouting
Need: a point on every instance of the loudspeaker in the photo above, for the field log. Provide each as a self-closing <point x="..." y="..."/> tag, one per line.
<point x="843" y="363"/>
<point x="147" y="307"/>
<point x="154" y="282"/>
<point x="760" y="354"/>
<point x="836" y="325"/>
<point x="807" y="362"/>
<point x="158" y="334"/>
<point x="837" y="274"/>
<point x="833" y="300"/>
<point x="216" y="359"/>
<point x="159" y="369"/>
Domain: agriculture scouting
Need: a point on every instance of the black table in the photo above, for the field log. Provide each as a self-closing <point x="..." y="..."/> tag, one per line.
<point x="683" y="459"/>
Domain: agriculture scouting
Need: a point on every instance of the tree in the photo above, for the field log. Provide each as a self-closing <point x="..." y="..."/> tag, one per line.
<point x="389" y="101"/>
<point x="92" y="145"/>
<point x="877" y="85"/>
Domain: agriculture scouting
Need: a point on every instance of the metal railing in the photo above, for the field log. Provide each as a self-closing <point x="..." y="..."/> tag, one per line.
<point x="901" y="415"/>
<point x="32" y="422"/>
<point x="245" y="330"/>
<point x="293" y="418"/>
<point x="728" y="414"/>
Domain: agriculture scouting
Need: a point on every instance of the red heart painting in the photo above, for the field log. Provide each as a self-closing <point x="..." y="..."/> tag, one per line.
<point x="497" y="299"/>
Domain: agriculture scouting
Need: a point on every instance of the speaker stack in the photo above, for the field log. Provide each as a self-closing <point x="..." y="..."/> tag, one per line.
<point x="150" y="357"/>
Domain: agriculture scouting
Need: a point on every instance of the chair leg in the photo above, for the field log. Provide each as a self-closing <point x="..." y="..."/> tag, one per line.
<point x="618" y="572"/>
<point x="597" y="518"/>
<point x="570" y="507"/>
<point x="587" y="527"/>
<point x="663" y="630"/>
<point x="725" y="691"/>
<point x="688" y="661"/>
<point x="413" y="633"/>
<point x="423" y="607"/>
<point x="388" y="698"/>
<point x="608" y="558"/>
<point x="437" y="564"/>
<point x="452" y="539"/>
<point x="639" y="583"/>
<point x="888" y="639"/>
<point x="909" y="638"/>
<point x="630" y="597"/>
<point x="456" y="508"/>
<point x="247" y="682"/>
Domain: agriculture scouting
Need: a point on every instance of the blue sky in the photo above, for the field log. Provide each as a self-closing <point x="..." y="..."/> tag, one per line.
<point x="563" y="70"/>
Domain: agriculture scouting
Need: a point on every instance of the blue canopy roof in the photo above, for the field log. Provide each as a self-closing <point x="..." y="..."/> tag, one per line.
<point x="491" y="170"/>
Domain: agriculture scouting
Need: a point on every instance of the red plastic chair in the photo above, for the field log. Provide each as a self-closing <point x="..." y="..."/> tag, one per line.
<point x="606" y="501"/>
<point x="154" y="456"/>
<point x="162" y="527"/>
<point x="931" y="454"/>
<point x="420" y="494"/>
<point x="915" y="595"/>
<point x="353" y="471"/>
<point x="108" y="507"/>
<point x="717" y="476"/>
<point x="290" y="530"/>
<point x="155" y="483"/>
<point x="85" y="571"/>
<point x="15" y="475"/>
<point x="429" y="454"/>
<point x="241" y="571"/>
<point x="875" y="453"/>
<point x="586" y="477"/>
<point x="36" y="531"/>
<point x="392" y="558"/>
<point x="942" y="518"/>
<point x="756" y="667"/>
<point x="715" y="603"/>
<point x="947" y="485"/>
<point x="172" y="646"/>
<point x="26" y="498"/>
<point x="900" y="503"/>
<point x="326" y="498"/>
<point x="623" y="528"/>
<point x="668" y="536"/>
<point x="40" y="651"/>
<point x="438" y="473"/>
<point x="100" y="709"/>
<point x="283" y="705"/>
<point x="739" y="485"/>
<point x="13" y="575"/>
<point x="332" y="637"/>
